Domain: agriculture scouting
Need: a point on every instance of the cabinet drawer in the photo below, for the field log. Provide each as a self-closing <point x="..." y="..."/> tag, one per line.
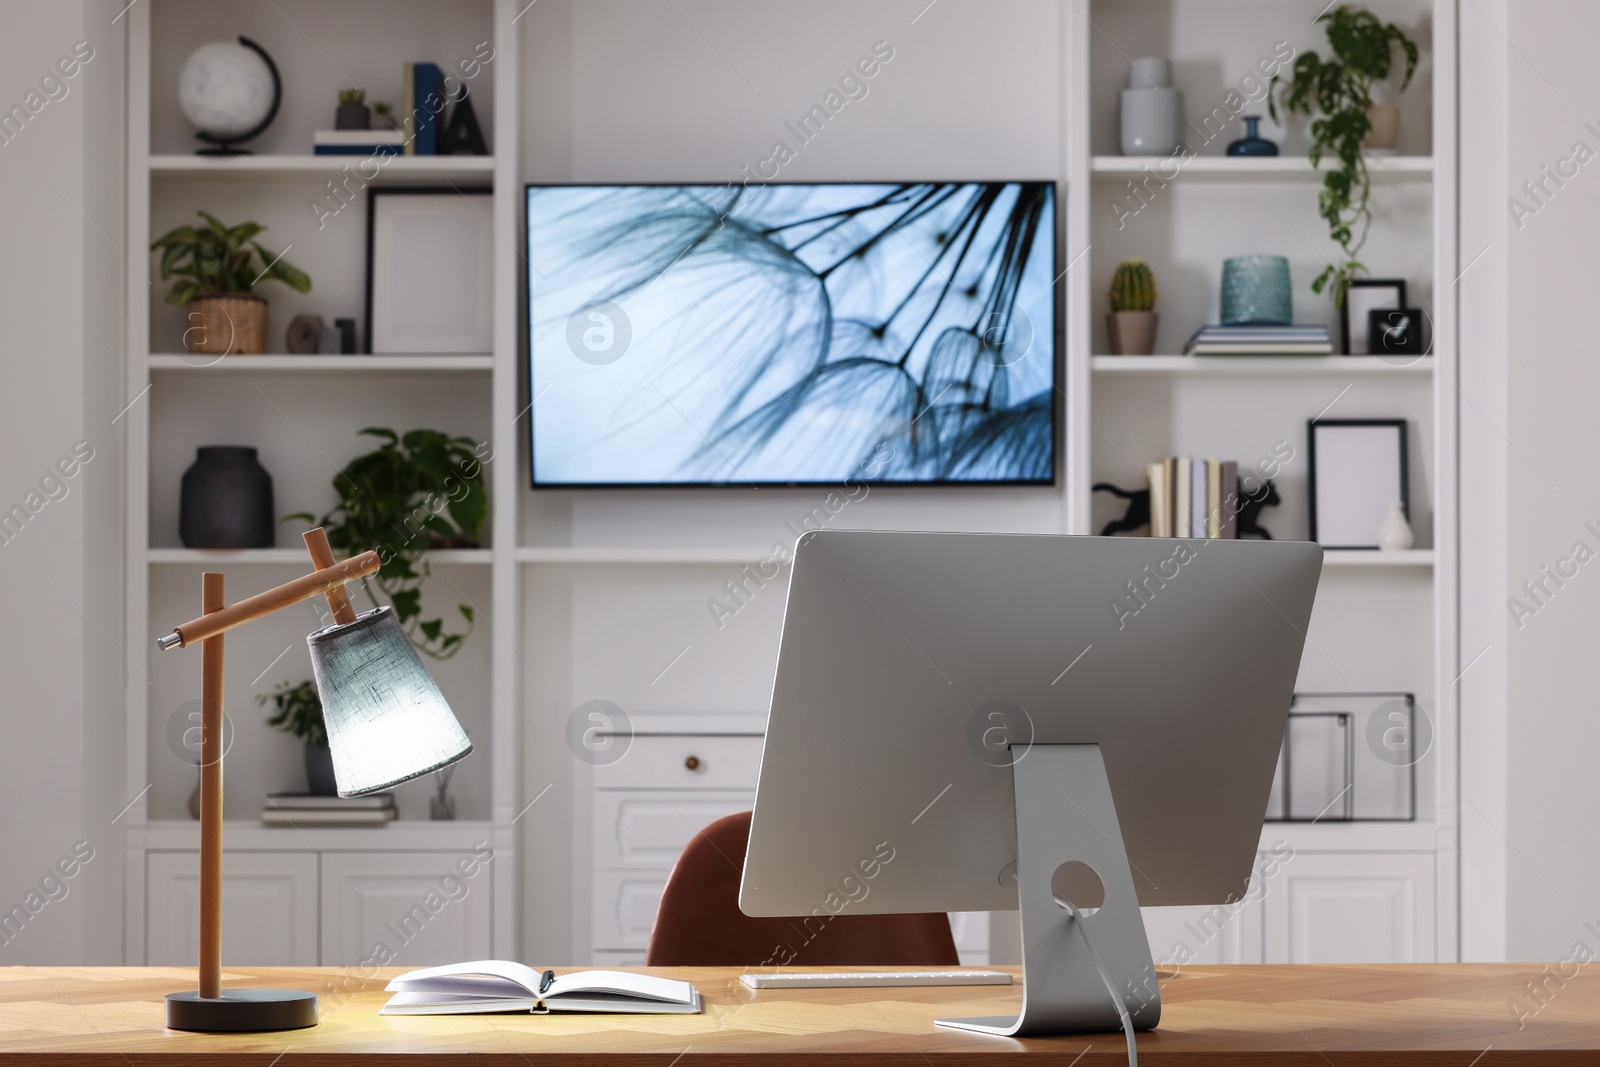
<point x="685" y="762"/>
<point x="644" y="829"/>
<point x="625" y="905"/>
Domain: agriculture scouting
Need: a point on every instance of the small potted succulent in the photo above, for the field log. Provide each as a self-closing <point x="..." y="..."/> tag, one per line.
<point x="1131" y="324"/>
<point x="217" y="268"/>
<point x="385" y="115"/>
<point x="300" y="715"/>
<point x="352" y="113"/>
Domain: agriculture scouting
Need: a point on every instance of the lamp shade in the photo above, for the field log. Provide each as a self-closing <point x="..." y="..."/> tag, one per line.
<point x="387" y="721"/>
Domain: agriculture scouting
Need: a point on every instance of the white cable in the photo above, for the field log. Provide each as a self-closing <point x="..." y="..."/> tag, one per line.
<point x="1105" y="976"/>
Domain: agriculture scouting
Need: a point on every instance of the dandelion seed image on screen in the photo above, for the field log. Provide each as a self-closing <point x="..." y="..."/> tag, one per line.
<point x="793" y="334"/>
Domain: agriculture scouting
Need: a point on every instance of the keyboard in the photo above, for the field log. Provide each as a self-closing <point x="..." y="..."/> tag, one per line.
<point x="868" y="979"/>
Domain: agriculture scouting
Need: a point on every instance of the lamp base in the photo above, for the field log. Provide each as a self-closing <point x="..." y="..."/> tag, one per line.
<point x="242" y="1010"/>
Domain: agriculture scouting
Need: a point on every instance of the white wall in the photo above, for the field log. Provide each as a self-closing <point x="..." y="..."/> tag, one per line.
<point x="61" y="290"/>
<point x="1531" y="876"/>
<point x="698" y="90"/>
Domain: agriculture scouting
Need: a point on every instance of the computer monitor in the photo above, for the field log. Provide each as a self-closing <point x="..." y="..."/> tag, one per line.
<point x="968" y="721"/>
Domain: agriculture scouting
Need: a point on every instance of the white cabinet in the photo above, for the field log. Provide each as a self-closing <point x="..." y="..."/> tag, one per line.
<point x="415" y="895"/>
<point x="409" y="909"/>
<point x="1332" y="907"/>
<point x="1224" y="933"/>
<point x="269" y="909"/>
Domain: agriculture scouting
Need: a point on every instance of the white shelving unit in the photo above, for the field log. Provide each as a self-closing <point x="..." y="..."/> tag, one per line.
<point x="604" y="595"/>
<point x="354" y="877"/>
<point x="1185" y="218"/>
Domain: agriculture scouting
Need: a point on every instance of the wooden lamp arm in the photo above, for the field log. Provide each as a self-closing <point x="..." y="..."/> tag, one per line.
<point x="328" y="580"/>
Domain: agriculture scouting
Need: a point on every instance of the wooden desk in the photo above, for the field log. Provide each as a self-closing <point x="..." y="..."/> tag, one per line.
<point x="1443" y="1015"/>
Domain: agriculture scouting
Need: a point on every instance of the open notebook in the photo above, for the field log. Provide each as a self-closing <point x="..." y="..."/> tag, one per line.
<point x="500" y="985"/>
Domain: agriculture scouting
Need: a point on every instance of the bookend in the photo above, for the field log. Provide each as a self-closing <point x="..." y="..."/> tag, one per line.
<point x="1065" y="813"/>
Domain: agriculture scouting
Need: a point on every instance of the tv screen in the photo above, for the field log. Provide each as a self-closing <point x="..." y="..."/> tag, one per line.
<point x="793" y="334"/>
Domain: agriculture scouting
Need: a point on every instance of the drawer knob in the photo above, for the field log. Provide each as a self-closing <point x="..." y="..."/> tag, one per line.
<point x="693" y="763"/>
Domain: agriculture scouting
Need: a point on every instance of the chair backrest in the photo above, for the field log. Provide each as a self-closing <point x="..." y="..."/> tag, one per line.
<point x="699" y="922"/>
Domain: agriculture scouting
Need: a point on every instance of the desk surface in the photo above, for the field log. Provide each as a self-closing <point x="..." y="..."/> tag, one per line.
<point x="1443" y="1015"/>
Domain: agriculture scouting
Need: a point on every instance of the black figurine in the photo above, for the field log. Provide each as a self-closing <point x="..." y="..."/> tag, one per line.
<point x="1251" y="506"/>
<point x="1138" y="513"/>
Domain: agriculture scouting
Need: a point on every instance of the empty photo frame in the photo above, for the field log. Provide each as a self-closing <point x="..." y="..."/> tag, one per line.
<point x="430" y="270"/>
<point x="1358" y="467"/>
<point x="1365" y="296"/>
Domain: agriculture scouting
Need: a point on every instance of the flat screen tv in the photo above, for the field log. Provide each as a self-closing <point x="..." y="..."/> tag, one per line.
<point x="793" y="334"/>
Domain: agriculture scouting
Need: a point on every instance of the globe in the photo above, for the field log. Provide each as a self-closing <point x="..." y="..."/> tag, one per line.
<point x="225" y="89"/>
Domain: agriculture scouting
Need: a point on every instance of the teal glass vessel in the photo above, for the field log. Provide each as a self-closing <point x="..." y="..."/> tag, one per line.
<point x="1256" y="291"/>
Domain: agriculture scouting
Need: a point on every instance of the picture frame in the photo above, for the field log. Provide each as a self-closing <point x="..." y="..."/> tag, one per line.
<point x="1350" y="757"/>
<point x="1358" y="467"/>
<point x="430" y="270"/>
<point x="1365" y="296"/>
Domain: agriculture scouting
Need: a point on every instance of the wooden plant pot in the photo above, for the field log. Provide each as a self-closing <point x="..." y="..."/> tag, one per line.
<point x="1132" y="333"/>
<point x="227" y="324"/>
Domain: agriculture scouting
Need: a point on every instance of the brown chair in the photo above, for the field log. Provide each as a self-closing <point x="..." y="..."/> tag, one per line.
<point x="699" y="923"/>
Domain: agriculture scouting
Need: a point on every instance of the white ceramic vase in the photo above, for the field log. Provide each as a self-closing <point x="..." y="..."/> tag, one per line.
<point x="1394" y="535"/>
<point x="1152" y="110"/>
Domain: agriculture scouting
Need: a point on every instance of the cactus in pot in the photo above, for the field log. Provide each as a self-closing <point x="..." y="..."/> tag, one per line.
<point x="1131" y="323"/>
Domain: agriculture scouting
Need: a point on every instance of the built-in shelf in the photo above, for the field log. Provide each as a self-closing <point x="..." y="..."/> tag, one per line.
<point x="401" y="834"/>
<point x="203" y="364"/>
<point x="295" y="556"/>
<point x="641" y="555"/>
<point x="1295" y="168"/>
<point x="1355" y="557"/>
<point x="1266" y="366"/>
<point x="475" y="169"/>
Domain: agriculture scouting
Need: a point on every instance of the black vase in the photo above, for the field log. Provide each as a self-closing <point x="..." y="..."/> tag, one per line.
<point x="320" y="781"/>
<point x="226" y="500"/>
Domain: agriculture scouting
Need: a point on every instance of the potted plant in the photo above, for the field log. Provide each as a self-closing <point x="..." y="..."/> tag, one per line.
<point x="300" y="715"/>
<point x="352" y="113"/>
<point x="386" y="116"/>
<point x="217" y="268"/>
<point x="1340" y="88"/>
<point x="415" y="492"/>
<point x="1131" y="324"/>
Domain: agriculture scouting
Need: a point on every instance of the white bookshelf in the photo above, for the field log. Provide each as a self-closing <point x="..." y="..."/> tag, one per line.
<point x="1387" y="620"/>
<point x="304" y="413"/>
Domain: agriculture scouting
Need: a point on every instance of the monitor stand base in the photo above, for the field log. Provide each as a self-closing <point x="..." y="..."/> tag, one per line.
<point x="1065" y="813"/>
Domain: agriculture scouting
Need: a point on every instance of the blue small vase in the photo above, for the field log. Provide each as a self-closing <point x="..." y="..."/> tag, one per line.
<point x="1256" y="291"/>
<point x="1252" y="143"/>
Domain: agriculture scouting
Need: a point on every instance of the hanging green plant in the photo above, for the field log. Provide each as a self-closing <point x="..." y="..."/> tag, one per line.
<point x="1340" y="88"/>
<point x="413" y="493"/>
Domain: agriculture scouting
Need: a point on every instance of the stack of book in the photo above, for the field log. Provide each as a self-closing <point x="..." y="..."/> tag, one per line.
<point x="1259" y="341"/>
<point x="358" y="143"/>
<point x="1189" y="497"/>
<point x="307" y="809"/>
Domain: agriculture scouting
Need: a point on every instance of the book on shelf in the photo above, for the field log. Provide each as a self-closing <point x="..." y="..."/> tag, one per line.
<point x="422" y="104"/>
<point x="1191" y="497"/>
<point x="308" y="809"/>
<point x="504" y="986"/>
<point x="319" y="802"/>
<point x="325" y="817"/>
<point x="1259" y="341"/>
<point x="358" y="142"/>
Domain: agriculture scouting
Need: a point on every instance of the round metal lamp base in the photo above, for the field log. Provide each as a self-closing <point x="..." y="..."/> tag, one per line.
<point x="242" y="1010"/>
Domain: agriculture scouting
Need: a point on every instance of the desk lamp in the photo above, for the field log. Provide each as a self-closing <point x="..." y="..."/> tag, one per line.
<point x="387" y="723"/>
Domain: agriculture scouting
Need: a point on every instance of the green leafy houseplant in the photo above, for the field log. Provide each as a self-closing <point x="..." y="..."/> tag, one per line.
<point x="299" y="712"/>
<point x="352" y="96"/>
<point x="213" y="259"/>
<point x="415" y="492"/>
<point x="1340" y="88"/>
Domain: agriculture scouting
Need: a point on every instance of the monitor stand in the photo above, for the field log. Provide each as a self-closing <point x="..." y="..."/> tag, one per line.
<point x="1064" y="813"/>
